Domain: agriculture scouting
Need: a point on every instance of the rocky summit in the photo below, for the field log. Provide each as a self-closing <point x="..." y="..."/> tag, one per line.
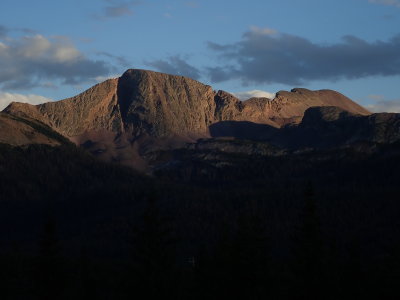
<point x="126" y="118"/>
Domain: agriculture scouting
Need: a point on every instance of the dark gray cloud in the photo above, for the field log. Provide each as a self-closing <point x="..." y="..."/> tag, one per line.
<point x="31" y="60"/>
<point x="264" y="56"/>
<point x="175" y="65"/>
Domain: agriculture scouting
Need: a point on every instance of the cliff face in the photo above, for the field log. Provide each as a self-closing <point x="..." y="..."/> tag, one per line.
<point x="157" y="104"/>
<point x="163" y="105"/>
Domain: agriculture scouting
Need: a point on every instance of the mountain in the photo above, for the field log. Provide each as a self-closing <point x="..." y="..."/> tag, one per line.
<point x="321" y="127"/>
<point x="163" y="105"/>
<point x="126" y="118"/>
<point x="19" y="131"/>
<point x="305" y="180"/>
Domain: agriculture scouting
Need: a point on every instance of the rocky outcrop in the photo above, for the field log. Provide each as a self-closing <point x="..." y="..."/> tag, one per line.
<point x="330" y="127"/>
<point x="321" y="115"/>
<point x="158" y="104"/>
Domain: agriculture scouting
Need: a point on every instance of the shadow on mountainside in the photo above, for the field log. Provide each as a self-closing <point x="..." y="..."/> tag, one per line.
<point x="242" y="130"/>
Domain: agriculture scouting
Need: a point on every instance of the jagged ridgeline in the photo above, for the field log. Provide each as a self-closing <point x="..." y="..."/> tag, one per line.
<point x="126" y="118"/>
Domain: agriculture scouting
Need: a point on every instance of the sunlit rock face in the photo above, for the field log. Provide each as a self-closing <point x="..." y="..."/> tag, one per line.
<point x="124" y="119"/>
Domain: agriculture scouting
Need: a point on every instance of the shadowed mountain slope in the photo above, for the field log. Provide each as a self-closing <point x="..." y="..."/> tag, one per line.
<point x="321" y="127"/>
<point x="18" y="131"/>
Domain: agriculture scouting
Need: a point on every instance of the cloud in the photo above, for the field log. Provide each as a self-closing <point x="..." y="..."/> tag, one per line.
<point x="175" y="65"/>
<point x="265" y="56"/>
<point x="382" y="105"/>
<point x="385" y="106"/>
<point x="395" y="3"/>
<point x="26" y="61"/>
<point x="7" y="98"/>
<point x="254" y="93"/>
<point x="121" y="60"/>
<point x="4" y="31"/>
<point x="117" y="8"/>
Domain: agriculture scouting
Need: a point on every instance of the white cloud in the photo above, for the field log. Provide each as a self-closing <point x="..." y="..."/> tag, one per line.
<point x="65" y="54"/>
<point x="27" y="61"/>
<point x="254" y="93"/>
<point x="395" y="3"/>
<point x="385" y="106"/>
<point x="7" y="98"/>
<point x="38" y="47"/>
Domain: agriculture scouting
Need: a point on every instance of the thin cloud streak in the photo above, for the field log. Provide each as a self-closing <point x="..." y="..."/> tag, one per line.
<point x="176" y="65"/>
<point x="382" y="105"/>
<point x="119" y="59"/>
<point x="395" y="3"/>
<point x="117" y="9"/>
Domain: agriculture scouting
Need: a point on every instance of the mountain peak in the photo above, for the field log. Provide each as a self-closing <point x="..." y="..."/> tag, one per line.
<point x="143" y="110"/>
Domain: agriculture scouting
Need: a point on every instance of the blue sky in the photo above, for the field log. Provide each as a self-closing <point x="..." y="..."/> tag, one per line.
<point x="56" y="49"/>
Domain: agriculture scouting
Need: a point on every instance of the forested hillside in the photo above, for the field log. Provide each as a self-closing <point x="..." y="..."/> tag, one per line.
<point x="313" y="224"/>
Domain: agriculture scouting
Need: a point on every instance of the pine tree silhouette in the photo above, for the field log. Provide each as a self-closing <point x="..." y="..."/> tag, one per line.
<point x="354" y="276"/>
<point x="239" y="266"/>
<point x="308" y="251"/>
<point x="251" y="259"/>
<point x="153" y="255"/>
<point x="49" y="268"/>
